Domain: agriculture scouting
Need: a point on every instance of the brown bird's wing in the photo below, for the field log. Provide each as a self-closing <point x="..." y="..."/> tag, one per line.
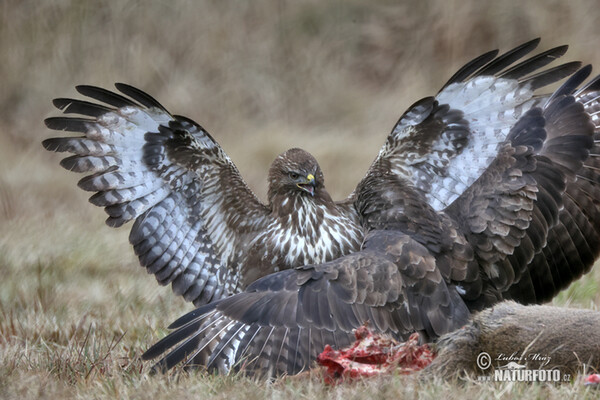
<point x="280" y="324"/>
<point x="532" y="215"/>
<point x="193" y="212"/>
<point x="505" y="164"/>
<point x="441" y="145"/>
<point x="573" y="241"/>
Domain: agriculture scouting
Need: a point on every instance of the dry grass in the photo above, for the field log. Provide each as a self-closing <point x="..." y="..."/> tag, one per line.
<point x="76" y="310"/>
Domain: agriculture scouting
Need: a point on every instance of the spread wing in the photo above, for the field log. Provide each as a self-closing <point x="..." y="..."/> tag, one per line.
<point x="517" y="170"/>
<point x="280" y="324"/>
<point x="443" y="144"/>
<point x="514" y="210"/>
<point x="193" y="213"/>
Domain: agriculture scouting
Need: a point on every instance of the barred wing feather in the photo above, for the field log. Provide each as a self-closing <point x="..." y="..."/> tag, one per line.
<point x="193" y="212"/>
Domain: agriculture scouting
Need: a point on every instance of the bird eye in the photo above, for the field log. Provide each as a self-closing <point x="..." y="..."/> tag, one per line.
<point x="294" y="175"/>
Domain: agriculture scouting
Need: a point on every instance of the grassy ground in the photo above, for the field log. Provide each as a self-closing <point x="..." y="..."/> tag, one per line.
<point x="76" y="310"/>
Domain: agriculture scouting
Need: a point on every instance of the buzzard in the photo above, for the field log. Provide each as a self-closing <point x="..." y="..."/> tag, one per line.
<point x="489" y="190"/>
<point x="197" y="224"/>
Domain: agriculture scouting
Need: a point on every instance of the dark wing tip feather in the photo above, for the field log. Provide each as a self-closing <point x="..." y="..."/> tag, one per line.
<point x="52" y="144"/>
<point x="572" y="83"/>
<point x="534" y="63"/>
<point x="552" y="75"/>
<point x="139" y="96"/>
<point x="177" y="355"/>
<point x="72" y="106"/>
<point x="471" y="67"/>
<point x="171" y="340"/>
<point x="592" y="86"/>
<point x="506" y="59"/>
<point x="192" y="315"/>
<point x="67" y="124"/>
<point x="105" y="96"/>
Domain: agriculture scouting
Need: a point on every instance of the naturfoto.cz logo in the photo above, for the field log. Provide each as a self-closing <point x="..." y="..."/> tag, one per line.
<point x="513" y="368"/>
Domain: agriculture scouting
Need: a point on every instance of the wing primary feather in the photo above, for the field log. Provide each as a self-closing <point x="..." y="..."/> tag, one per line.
<point x="551" y="75"/>
<point x="506" y="59"/>
<point x="170" y="340"/>
<point x="72" y="106"/>
<point x="181" y="351"/>
<point x="140" y="96"/>
<point x="105" y="96"/>
<point x="191" y="316"/>
<point x="471" y="67"/>
<point x="67" y="124"/>
<point x="592" y="86"/>
<point x="534" y="63"/>
<point x="77" y="145"/>
<point x="571" y="84"/>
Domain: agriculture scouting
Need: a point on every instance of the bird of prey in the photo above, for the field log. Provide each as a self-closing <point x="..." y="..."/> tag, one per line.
<point x="489" y="190"/>
<point x="197" y="224"/>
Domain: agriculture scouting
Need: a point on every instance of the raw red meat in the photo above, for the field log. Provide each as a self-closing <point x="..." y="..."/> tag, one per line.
<point x="374" y="354"/>
<point x="592" y="380"/>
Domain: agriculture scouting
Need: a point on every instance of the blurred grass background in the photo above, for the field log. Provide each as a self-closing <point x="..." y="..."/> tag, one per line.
<point x="331" y="77"/>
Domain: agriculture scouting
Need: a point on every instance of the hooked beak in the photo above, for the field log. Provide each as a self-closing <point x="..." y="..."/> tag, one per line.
<point x="308" y="185"/>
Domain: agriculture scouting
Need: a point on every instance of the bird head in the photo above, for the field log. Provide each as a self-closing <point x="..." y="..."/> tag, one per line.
<point x="295" y="173"/>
